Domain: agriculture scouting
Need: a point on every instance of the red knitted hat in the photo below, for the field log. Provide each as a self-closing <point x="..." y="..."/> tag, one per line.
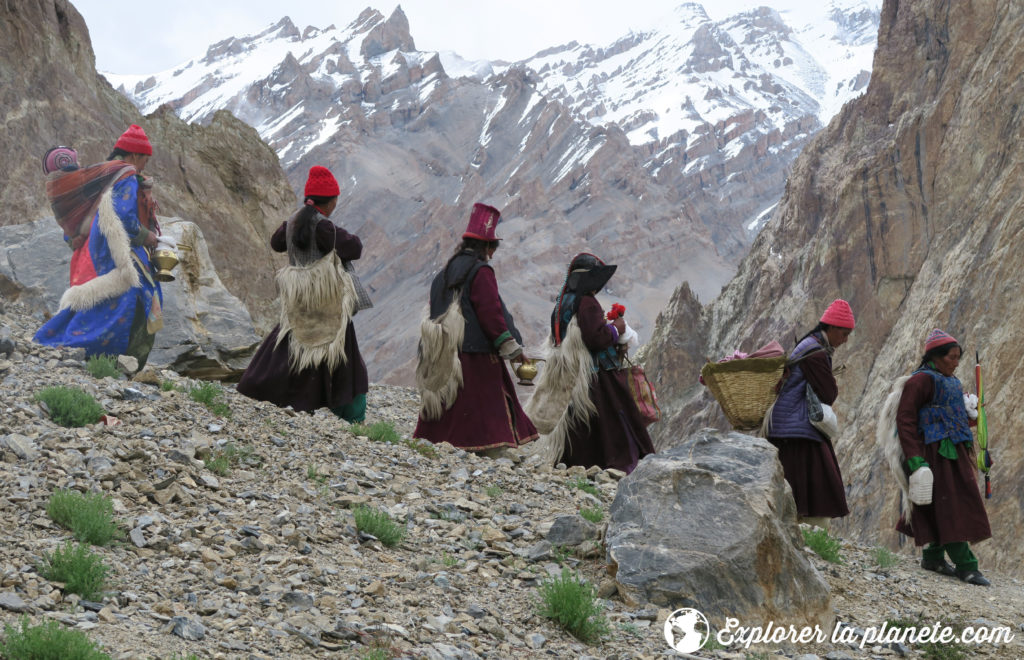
<point x="134" y="141"/>
<point x="321" y="183"/>
<point x="937" y="338"/>
<point x="839" y="314"/>
<point x="482" y="223"/>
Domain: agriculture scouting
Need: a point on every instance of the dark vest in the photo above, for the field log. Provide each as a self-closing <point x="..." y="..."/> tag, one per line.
<point x="458" y="277"/>
<point x="945" y="416"/>
<point x="789" y="415"/>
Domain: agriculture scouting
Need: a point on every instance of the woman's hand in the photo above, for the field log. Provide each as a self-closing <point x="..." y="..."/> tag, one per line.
<point x="620" y="324"/>
<point x="151" y="240"/>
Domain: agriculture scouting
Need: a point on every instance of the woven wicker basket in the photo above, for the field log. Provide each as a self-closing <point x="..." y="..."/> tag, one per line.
<point x="744" y="388"/>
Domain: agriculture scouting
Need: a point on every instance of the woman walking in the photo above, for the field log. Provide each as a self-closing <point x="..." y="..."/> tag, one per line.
<point x="807" y="457"/>
<point x="582" y="406"/>
<point x="113" y="306"/>
<point x="935" y="436"/>
<point x="467" y="395"/>
<point x="311" y="359"/>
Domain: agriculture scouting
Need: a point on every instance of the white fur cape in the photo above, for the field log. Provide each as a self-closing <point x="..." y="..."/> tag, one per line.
<point x="562" y="400"/>
<point x="438" y="368"/>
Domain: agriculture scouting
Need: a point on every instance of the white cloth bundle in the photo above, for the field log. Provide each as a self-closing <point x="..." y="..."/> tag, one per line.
<point x="629" y="337"/>
<point x="971" y="403"/>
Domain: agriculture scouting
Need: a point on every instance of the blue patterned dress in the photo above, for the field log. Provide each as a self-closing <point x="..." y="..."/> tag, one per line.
<point x="108" y="310"/>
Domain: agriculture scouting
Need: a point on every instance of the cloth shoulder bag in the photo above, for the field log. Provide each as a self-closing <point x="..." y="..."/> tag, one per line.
<point x="642" y="391"/>
<point x="362" y="297"/>
<point x="821" y="414"/>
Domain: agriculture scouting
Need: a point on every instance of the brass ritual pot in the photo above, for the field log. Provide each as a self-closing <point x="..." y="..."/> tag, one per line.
<point x="165" y="260"/>
<point x="527" y="371"/>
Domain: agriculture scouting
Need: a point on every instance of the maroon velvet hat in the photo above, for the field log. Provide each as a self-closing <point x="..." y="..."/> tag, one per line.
<point x="482" y="222"/>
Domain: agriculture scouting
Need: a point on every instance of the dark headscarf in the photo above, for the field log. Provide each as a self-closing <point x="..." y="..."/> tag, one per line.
<point x="586" y="274"/>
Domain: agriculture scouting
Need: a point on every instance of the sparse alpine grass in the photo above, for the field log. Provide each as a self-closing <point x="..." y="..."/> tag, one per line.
<point x="378" y="432"/>
<point x="824" y="546"/>
<point x="593" y="514"/>
<point x="582" y="483"/>
<point x="70" y="406"/>
<point x="89" y="516"/>
<point x="570" y="602"/>
<point x="379" y="524"/>
<point x="47" y="641"/>
<point x="884" y="557"/>
<point x="102" y="366"/>
<point x="493" y="491"/>
<point x="385" y="432"/>
<point x="81" y="570"/>
<point x="209" y="394"/>
<point x="230" y="456"/>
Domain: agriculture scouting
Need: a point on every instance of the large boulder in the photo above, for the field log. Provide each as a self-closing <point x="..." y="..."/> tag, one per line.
<point x="207" y="333"/>
<point x="711" y="525"/>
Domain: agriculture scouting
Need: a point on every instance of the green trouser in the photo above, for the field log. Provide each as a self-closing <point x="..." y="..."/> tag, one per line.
<point x="354" y="411"/>
<point x="959" y="552"/>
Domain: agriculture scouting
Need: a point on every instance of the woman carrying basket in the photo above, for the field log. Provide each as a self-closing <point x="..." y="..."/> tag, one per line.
<point x="807" y="457"/>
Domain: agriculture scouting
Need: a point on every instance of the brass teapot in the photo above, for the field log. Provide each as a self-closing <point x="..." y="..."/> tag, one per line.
<point x="527" y="370"/>
<point x="165" y="260"/>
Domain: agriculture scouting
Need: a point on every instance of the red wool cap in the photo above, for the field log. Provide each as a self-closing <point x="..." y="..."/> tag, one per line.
<point x="938" y="338"/>
<point x="838" y="314"/>
<point x="134" y="141"/>
<point x="321" y="183"/>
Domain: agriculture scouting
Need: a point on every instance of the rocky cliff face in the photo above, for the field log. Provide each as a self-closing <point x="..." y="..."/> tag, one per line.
<point x="662" y="152"/>
<point x="221" y="176"/>
<point x="909" y="206"/>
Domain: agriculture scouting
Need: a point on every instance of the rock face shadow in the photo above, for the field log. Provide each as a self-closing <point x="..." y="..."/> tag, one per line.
<point x="711" y="525"/>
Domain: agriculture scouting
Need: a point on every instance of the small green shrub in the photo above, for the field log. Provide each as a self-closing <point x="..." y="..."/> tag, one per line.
<point x="885" y="558"/>
<point x="594" y="514"/>
<point x="102" y="366"/>
<point x="493" y="491"/>
<point x="313" y="475"/>
<point x="449" y="560"/>
<point x="420" y="447"/>
<point x="70" y="406"/>
<point x="47" y="641"/>
<point x="581" y="483"/>
<point x="169" y="385"/>
<point x="209" y="395"/>
<point x="378" y="523"/>
<point x="81" y="570"/>
<point x="824" y="546"/>
<point x="570" y="602"/>
<point x="378" y="432"/>
<point x="231" y="455"/>
<point x="89" y="516"/>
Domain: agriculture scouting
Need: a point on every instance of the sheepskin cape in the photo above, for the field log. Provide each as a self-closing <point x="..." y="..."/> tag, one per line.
<point x="562" y="400"/>
<point x="317" y="302"/>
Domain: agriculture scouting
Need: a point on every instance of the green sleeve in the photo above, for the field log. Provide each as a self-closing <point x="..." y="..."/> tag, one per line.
<point x="502" y="338"/>
<point x="915" y="462"/>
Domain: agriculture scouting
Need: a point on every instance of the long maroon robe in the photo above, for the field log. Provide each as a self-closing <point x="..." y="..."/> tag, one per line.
<point x="486" y="413"/>
<point x="268" y="376"/>
<point x="616" y="436"/>
<point x="957" y="512"/>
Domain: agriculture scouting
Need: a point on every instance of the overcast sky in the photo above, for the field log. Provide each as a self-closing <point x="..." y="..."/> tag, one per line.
<point x="148" y="36"/>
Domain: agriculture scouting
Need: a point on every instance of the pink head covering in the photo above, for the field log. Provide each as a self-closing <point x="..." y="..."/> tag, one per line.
<point x="839" y="314"/>
<point x="938" y="338"/>
<point x="59" y="158"/>
<point x="482" y="223"/>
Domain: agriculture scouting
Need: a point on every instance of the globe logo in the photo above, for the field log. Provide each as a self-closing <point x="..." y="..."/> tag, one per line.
<point x="687" y="630"/>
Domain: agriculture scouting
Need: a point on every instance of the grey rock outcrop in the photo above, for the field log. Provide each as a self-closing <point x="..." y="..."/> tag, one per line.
<point x="207" y="331"/>
<point x="711" y="524"/>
